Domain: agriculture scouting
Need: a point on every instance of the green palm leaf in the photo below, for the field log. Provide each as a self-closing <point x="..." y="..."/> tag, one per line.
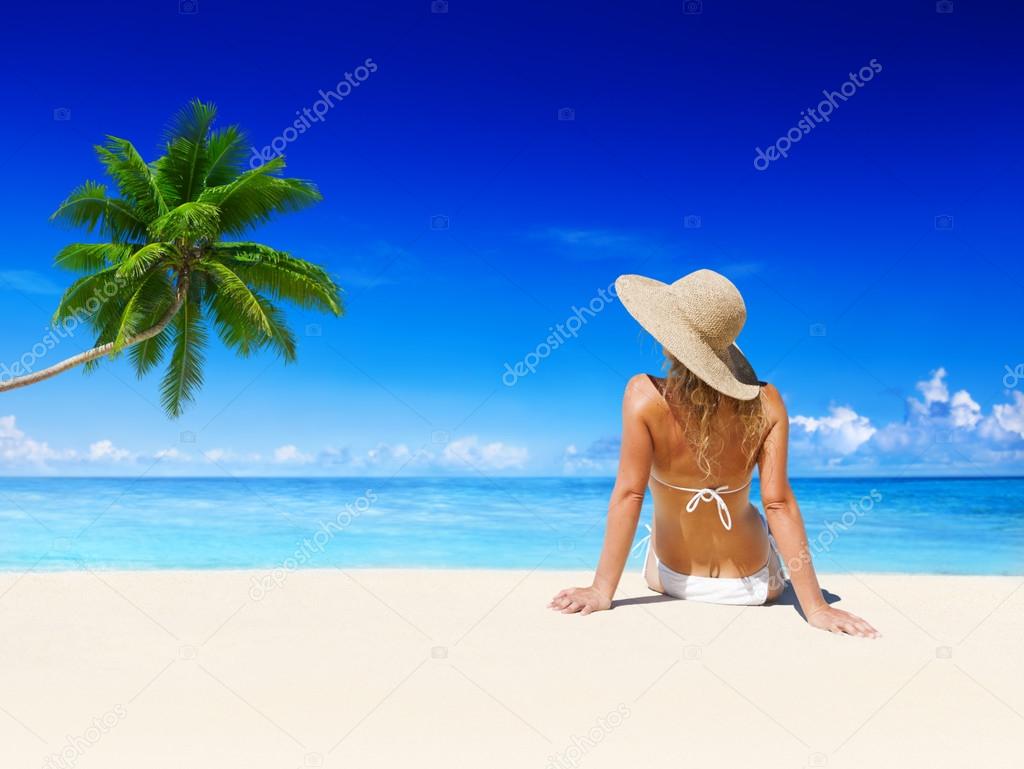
<point x="89" y="206"/>
<point x="184" y="166"/>
<point x="147" y="354"/>
<point x="188" y="223"/>
<point x="251" y="307"/>
<point x="152" y="292"/>
<point x="184" y="374"/>
<point x="135" y="179"/>
<point x="257" y="195"/>
<point x="87" y="295"/>
<point x="144" y="259"/>
<point x="88" y="257"/>
<point x="281" y="275"/>
<point x="227" y="152"/>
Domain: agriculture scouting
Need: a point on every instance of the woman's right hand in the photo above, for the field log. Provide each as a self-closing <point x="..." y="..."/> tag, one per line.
<point x="839" y="621"/>
<point x="584" y="600"/>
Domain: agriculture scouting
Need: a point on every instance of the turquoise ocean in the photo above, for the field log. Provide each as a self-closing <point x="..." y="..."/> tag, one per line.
<point x="949" y="526"/>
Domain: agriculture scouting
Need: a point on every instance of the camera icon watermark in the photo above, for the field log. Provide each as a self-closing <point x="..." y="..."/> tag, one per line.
<point x="944" y="222"/>
<point x="944" y="6"/>
<point x="817" y="760"/>
<point x="944" y="652"/>
<point x="566" y="545"/>
<point x="63" y="544"/>
<point x="440" y="437"/>
<point x="61" y="114"/>
<point x="188" y="652"/>
<point x="692" y="222"/>
<point x="692" y="652"/>
<point x="314" y="329"/>
<point x="693" y="7"/>
<point x="439" y="652"/>
<point x="439" y="6"/>
<point x="188" y="7"/>
<point x="440" y="222"/>
<point x="817" y="329"/>
<point x="313" y="760"/>
<point x="187" y="436"/>
<point x="566" y="113"/>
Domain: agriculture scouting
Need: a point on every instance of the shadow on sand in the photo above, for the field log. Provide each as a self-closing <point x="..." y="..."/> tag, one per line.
<point x="788" y="598"/>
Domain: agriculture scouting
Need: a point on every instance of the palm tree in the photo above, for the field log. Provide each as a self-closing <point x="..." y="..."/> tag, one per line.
<point x="163" y="270"/>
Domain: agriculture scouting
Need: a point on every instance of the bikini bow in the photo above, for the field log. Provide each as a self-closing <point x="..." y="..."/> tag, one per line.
<point x="712" y="495"/>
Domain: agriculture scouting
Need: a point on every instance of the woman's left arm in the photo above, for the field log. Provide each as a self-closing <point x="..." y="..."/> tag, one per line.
<point x="635" y="456"/>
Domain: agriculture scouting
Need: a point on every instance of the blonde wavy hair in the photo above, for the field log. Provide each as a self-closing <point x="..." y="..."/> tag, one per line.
<point x="695" y="406"/>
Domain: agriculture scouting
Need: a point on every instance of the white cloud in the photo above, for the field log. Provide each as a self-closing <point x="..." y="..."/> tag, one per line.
<point x="384" y="453"/>
<point x="290" y="454"/>
<point x="483" y="456"/>
<point x="934" y="389"/>
<point x="463" y="455"/>
<point x="17" y="448"/>
<point x="842" y="432"/>
<point x="173" y="454"/>
<point x="600" y="457"/>
<point x="106" y="451"/>
<point x="1007" y="420"/>
<point x="964" y="410"/>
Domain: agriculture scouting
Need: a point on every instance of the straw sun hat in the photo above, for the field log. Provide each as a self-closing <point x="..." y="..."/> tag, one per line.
<point x="697" y="319"/>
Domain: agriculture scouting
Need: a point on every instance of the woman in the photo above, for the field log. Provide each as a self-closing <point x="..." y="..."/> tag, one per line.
<point x="694" y="438"/>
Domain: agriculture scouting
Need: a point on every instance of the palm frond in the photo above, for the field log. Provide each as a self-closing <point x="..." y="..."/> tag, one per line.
<point x="188" y="222"/>
<point x="227" y="152"/>
<point x="281" y="275"/>
<point x="87" y="295"/>
<point x="135" y="179"/>
<point x="239" y="301"/>
<point x="255" y="196"/>
<point x="184" y="375"/>
<point x="184" y="166"/>
<point x="90" y="207"/>
<point x="153" y="291"/>
<point x="88" y="257"/>
<point x="147" y="354"/>
<point x="234" y="328"/>
<point x="143" y="259"/>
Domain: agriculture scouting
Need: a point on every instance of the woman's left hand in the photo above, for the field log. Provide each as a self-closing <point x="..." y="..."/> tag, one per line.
<point x="584" y="600"/>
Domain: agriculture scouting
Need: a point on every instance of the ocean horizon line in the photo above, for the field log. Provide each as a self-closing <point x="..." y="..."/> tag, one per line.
<point x="478" y="478"/>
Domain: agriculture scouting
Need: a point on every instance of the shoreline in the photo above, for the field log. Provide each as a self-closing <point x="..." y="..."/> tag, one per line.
<point x="386" y="667"/>
<point x="821" y="571"/>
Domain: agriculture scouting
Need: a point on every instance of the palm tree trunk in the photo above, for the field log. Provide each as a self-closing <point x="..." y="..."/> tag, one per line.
<point x="101" y="350"/>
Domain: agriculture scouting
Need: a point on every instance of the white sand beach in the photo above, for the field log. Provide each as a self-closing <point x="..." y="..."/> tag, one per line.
<point x="385" y="668"/>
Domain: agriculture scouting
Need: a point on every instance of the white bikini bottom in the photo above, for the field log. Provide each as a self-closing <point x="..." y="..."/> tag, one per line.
<point x="751" y="590"/>
<point x="736" y="591"/>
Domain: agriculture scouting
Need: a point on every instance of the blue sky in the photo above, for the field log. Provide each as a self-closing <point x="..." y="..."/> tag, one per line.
<point x="879" y="259"/>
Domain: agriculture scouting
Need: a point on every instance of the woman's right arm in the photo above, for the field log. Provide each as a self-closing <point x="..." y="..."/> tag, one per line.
<point x="787" y="526"/>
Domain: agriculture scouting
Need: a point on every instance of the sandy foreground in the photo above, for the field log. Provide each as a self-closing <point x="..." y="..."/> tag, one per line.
<point x="386" y="668"/>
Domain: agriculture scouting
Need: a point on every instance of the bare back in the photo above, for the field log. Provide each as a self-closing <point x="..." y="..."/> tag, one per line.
<point x="697" y="542"/>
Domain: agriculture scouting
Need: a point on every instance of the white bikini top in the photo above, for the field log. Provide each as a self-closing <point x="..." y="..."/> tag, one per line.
<point x="707" y="495"/>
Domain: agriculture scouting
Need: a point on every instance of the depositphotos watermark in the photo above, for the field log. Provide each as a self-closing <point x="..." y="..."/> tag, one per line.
<point x="1013" y="376"/>
<point x="578" y="748"/>
<point x="559" y="335"/>
<point x="57" y="332"/>
<point x="310" y="547"/>
<point x="315" y="113"/>
<point x="812" y="117"/>
<point x="834" y="529"/>
<point x="76" y="746"/>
